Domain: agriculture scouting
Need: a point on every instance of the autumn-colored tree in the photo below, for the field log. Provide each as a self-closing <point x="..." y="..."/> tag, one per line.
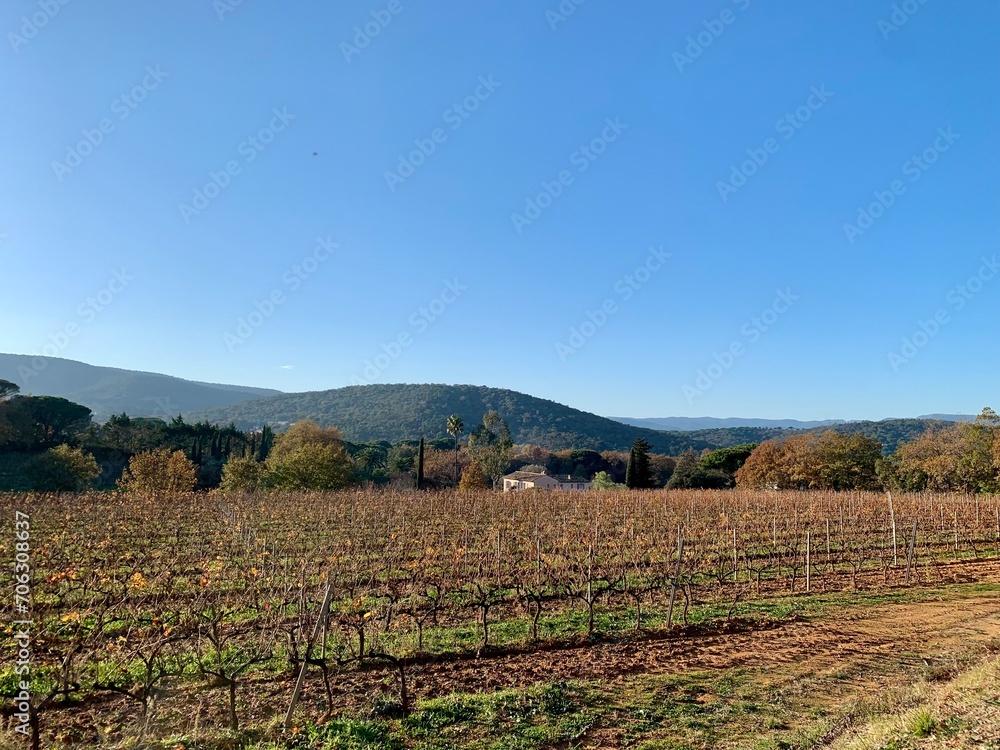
<point x="310" y="467"/>
<point x="977" y="467"/>
<point x="996" y="453"/>
<point x="827" y="461"/>
<point x="242" y="474"/>
<point x="765" y="468"/>
<point x="473" y="478"/>
<point x="959" y="457"/>
<point x="159" y="471"/>
<point x="439" y="467"/>
<point x="532" y="454"/>
<point x="931" y="461"/>
<point x="304" y="433"/>
<point x="798" y="457"/>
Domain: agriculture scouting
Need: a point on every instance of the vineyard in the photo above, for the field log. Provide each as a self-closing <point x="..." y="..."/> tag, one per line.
<point x="156" y="617"/>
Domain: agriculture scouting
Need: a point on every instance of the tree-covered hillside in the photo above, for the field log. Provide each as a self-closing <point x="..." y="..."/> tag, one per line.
<point x="109" y="390"/>
<point x="397" y="412"/>
<point x="890" y="432"/>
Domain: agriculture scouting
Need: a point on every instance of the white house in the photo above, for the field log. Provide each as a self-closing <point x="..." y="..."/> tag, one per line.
<point x="527" y="480"/>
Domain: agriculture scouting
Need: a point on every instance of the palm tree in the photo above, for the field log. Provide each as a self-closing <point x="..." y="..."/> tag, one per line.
<point x="455" y="428"/>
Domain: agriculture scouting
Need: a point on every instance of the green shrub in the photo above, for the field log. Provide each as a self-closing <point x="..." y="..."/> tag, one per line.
<point x="62" y="469"/>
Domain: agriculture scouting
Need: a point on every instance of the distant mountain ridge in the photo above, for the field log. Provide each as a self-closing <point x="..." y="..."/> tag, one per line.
<point x="397" y="412"/>
<point x="110" y="390"/>
<point x="685" y="424"/>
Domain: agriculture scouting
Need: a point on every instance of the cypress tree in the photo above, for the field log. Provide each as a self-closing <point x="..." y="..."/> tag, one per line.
<point x="420" y="466"/>
<point x="266" y="441"/>
<point x="637" y="473"/>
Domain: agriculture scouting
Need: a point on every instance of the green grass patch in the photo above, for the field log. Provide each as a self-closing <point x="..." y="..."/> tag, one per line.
<point x="535" y="717"/>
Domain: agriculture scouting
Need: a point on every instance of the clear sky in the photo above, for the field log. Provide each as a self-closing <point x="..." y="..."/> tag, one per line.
<point x="634" y="208"/>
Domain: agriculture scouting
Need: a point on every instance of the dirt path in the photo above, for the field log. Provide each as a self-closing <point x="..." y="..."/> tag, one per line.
<point x="824" y="663"/>
<point x="881" y="634"/>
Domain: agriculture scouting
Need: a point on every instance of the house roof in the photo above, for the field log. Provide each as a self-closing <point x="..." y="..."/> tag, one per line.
<point x="525" y="476"/>
<point x="528" y="476"/>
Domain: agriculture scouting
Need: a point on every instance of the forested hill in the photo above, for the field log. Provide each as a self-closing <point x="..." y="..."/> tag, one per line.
<point x="890" y="432"/>
<point x="109" y="390"/>
<point x="397" y="412"/>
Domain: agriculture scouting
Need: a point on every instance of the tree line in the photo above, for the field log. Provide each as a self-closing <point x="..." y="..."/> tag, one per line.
<point x="71" y="453"/>
<point x="959" y="457"/>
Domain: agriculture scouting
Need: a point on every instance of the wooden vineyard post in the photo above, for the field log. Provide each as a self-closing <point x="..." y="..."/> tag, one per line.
<point x="499" y="577"/>
<point x="909" y="552"/>
<point x="996" y="509"/>
<point x="892" y="518"/>
<point x="955" y="547"/>
<point x="305" y="661"/>
<point x="673" y="583"/>
<point x="538" y="561"/>
<point x="736" y="559"/>
<point x="808" y="560"/>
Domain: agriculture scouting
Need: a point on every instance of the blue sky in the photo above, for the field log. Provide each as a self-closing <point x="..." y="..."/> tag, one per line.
<point x="633" y="208"/>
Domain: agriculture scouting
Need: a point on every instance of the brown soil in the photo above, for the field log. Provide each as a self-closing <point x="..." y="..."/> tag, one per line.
<point x="880" y="634"/>
<point x="865" y="648"/>
<point x="872" y="640"/>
